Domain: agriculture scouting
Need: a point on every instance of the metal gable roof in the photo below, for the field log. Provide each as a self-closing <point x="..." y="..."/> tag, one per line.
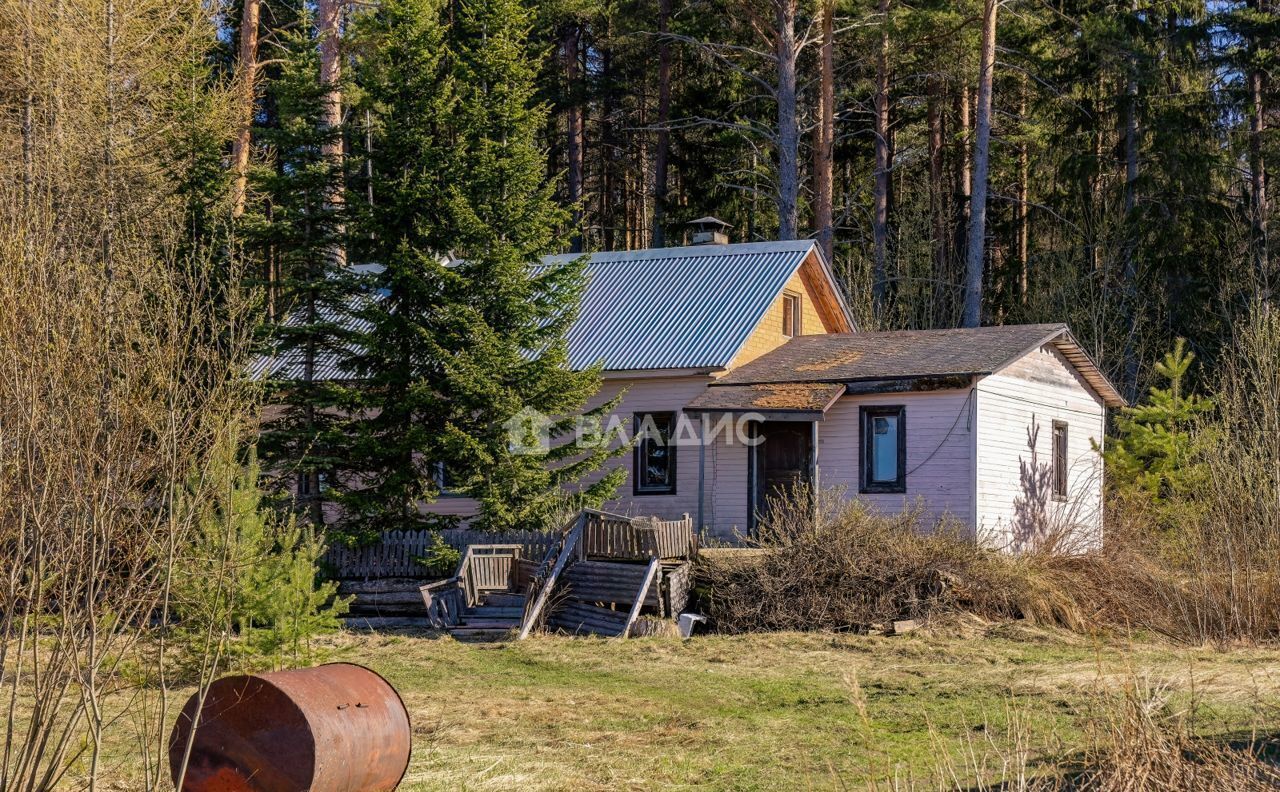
<point x="677" y="308"/>
<point x="663" y="308"/>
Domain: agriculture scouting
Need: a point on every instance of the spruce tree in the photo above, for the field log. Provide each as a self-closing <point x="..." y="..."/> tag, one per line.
<point x="292" y="226"/>
<point x="1152" y="452"/>
<point x="504" y="324"/>
<point x="468" y="332"/>
<point x="407" y="94"/>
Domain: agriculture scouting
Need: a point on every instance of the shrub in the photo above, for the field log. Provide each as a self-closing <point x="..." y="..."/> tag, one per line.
<point x="248" y="580"/>
<point x="838" y="566"/>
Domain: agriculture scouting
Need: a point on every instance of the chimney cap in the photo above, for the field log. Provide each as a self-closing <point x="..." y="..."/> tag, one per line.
<point x="709" y="221"/>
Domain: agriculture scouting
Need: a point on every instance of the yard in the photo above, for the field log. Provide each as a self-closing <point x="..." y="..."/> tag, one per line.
<point x="778" y="711"/>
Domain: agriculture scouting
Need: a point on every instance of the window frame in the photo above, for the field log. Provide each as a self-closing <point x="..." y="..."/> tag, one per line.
<point x="440" y="477"/>
<point x="867" y="414"/>
<point x="1059" y="483"/>
<point x="792" y="301"/>
<point x="640" y="453"/>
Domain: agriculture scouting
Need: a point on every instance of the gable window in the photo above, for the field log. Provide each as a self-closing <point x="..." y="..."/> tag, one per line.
<point x="1058" y="462"/>
<point x="884" y="449"/>
<point x="791" y="315"/>
<point x="654" y="472"/>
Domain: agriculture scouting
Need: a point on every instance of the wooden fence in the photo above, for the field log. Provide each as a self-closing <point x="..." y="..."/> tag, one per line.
<point x="397" y="553"/>
<point x="605" y="536"/>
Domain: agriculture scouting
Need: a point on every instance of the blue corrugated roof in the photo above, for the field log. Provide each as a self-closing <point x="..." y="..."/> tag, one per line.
<point x="677" y="308"/>
<point x="663" y="308"/>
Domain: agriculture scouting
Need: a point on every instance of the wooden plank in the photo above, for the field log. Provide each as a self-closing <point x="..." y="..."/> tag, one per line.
<point x="570" y="544"/>
<point x="650" y="575"/>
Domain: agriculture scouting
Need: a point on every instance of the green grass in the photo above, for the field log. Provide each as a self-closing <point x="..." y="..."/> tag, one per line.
<point x="773" y="711"/>
<point x="781" y="711"/>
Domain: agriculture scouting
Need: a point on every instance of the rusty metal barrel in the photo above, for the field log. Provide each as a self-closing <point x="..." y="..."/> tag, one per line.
<point x="333" y="728"/>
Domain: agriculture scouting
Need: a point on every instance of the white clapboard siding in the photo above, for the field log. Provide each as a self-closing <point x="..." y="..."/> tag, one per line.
<point x="939" y="453"/>
<point x="1016" y="409"/>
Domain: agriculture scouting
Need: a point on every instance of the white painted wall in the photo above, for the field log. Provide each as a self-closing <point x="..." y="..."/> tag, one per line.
<point x="1016" y="409"/>
<point x="939" y="453"/>
<point x="978" y="456"/>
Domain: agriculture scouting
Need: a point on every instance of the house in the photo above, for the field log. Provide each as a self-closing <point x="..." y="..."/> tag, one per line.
<point x="742" y="371"/>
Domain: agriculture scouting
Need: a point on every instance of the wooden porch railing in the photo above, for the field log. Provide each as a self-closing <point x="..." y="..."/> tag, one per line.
<point x="483" y="568"/>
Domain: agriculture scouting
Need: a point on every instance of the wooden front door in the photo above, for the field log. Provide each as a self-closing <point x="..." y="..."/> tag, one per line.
<point x="782" y="458"/>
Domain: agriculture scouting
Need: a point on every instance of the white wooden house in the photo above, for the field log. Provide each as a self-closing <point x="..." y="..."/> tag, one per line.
<point x="742" y="371"/>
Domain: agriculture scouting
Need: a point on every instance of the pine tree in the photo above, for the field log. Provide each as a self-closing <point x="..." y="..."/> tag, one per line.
<point x="246" y="570"/>
<point x="291" y="223"/>
<point x="1152" y="452"/>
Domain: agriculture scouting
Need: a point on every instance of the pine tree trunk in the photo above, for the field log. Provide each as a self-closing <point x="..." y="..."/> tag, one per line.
<point x="981" y="165"/>
<point x="1258" y="168"/>
<point x="28" y="129"/>
<point x="570" y="39"/>
<point x="937" y="192"/>
<point x="1021" y="215"/>
<point x="605" y="156"/>
<point x="329" y="20"/>
<point x="247" y="70"/>
<point x="824" y="134"/>
<point x="963" y="175"/>
<point x="880" y="189"/>
<point x="1131" y="172"/>
<point x="787" y="53"/>
<point x="662" y="143"/>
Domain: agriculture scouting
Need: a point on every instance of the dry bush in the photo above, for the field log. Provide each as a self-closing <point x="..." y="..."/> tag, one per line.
<point x="121" y="359"/>
<point x="823" y="562"/>
<point x="1145" y="744"/>
<point x="828" y="563"/>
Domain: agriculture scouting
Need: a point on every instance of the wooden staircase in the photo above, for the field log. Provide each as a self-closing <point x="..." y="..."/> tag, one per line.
<point x="599" y="574"/>
<point x="495" y="616"/>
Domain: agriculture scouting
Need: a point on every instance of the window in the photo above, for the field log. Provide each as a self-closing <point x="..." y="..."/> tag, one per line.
<point x="1058" y="465"/>
<point x="654" y="472"/>
<point x="791" y="315"/>
<point x="322" y="479"/>
<point x="884" y="449"/>
<point x="445" y="480"/>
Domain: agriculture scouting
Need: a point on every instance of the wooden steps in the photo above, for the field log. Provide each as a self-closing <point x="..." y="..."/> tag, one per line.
<point x="608" y="582"/>
<point x="577" y="618"/>
<point x="497" y="615"/>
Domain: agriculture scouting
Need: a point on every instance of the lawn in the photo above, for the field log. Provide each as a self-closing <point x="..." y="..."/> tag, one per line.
<point x="779" y="711"/>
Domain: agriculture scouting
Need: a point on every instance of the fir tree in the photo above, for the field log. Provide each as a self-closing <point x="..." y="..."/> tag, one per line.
<point x="459" y="347"/>
<point x="505" y="324"/>
<point x="1153" y="449"/>
<point x="407" y="93"/>
<point x="292" y="226"/>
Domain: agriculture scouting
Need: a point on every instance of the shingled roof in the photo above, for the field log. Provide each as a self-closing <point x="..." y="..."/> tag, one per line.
<point x="900" y="355"/>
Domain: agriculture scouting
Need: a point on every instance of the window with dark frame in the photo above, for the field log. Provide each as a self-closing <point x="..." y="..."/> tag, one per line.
<point x="322" y="483"/>
<point x="791" y="315"/>
<point x="1058" y="462"/>
<point x="654" y="471"/>
<point x="444" y="480"/>
<point x="884" y="449"/>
